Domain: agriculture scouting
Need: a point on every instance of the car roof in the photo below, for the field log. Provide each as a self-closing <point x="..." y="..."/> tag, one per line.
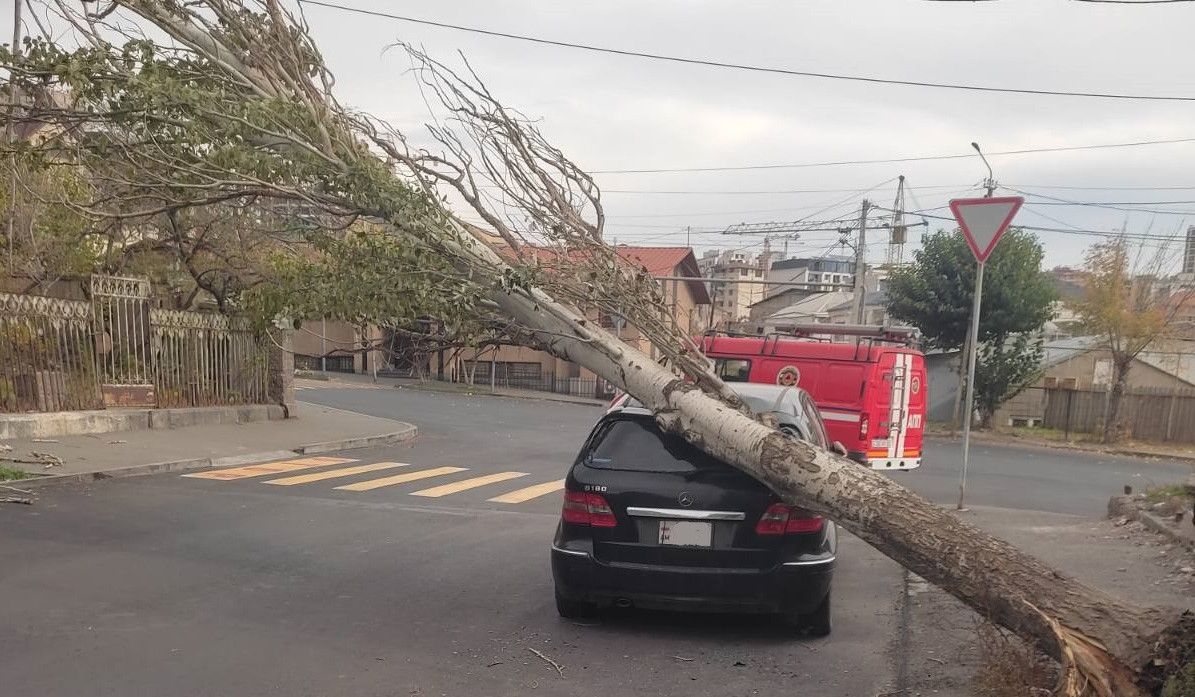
<point x="763" y="390"/>
<point x="753" y="390"/>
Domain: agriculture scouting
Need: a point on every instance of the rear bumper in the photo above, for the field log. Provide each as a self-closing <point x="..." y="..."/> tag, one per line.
<point x="886" y="463"/>
<point x="798" y="586"/>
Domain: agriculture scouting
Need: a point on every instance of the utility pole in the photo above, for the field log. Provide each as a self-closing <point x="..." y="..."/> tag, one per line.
<point x="8" y="134"/>
<point x="859" y="301"/>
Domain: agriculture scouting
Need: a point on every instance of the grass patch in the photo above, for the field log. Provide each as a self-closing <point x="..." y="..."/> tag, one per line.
<point x="1158" y="494"/>
<point x="1051" y="434"/>
<point x="8" y="474"/>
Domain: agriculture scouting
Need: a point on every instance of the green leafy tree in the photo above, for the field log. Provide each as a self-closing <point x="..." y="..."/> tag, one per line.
<point x="1003" y="371"/>
<point x="935" y="293"/>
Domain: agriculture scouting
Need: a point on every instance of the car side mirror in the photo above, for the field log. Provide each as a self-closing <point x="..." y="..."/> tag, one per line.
<point x="838" y="448"/>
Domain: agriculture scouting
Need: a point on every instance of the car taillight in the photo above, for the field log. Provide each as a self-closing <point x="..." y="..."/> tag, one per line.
<point x="780" y="519"/>
<point x="863" y="427"/>
<point x="587" y="509"/>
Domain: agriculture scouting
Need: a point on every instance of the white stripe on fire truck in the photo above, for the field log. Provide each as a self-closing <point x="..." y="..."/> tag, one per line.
<point x="839" y="416"/>
<point x="904" y="408"/>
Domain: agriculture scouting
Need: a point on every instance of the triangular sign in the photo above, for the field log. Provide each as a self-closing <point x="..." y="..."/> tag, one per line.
<point x="983" y="220"/>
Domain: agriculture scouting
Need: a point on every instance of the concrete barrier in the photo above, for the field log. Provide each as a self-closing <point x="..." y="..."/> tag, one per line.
<point x="74" y="423"/>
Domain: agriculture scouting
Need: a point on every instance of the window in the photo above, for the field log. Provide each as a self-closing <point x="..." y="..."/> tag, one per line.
<point x="733" y="369"/>
<point x="638" y="445"/>
<point x="813" y="416"/>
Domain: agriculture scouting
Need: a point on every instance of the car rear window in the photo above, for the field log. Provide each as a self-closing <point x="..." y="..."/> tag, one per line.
<point x="638" y="445"/>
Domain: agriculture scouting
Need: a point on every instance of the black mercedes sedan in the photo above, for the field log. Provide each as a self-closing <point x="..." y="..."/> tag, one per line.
<point x="650" y="521"/>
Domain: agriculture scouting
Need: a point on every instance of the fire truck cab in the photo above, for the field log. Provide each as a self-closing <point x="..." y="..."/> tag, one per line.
<point x="871" y="391"/>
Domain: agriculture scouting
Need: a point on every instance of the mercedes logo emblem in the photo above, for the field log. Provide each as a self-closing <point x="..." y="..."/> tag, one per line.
<point x="685" y="499"/>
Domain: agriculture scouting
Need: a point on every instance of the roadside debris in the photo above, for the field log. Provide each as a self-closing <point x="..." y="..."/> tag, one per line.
<point x="559" y="668"/>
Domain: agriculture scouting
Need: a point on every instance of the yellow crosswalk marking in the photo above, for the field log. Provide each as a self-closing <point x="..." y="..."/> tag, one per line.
<point x="531" y="492"/>
<point x="399" y="479"/>
<point x="333" y="474"/>
<point x="455" y="487"/>
<point x="269" y="468"/>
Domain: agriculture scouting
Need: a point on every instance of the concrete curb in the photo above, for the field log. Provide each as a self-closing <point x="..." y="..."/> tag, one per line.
<point x="1160" y="526"/>
<point x="67" y="423"/>
<point x="408" y="432"/>
<point x="535" y="397"/>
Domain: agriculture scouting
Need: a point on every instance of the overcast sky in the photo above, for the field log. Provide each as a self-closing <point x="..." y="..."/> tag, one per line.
<point x="610" y="112"/>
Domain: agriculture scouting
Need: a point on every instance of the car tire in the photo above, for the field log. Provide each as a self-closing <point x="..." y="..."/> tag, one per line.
<point x="817" y="622"/>
<point x="574" y="609"/>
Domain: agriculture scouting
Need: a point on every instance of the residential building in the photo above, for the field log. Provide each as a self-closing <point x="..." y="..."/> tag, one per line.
<point x="731" y="297"/>
<point x="819" y="274"/>
<point x="338" y="347"/>
<point x="686" y="301"/>
<point x="1084" y="364"/>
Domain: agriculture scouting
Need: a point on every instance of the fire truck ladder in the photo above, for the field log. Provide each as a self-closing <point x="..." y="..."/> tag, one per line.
<point x="896" y="411"/>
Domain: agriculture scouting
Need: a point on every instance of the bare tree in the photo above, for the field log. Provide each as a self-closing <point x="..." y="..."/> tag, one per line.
<point x="1126" y="303"/>
<point x="242" y="104"/>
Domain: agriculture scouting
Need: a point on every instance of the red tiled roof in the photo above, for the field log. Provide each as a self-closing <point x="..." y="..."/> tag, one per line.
<point x="669" y="261"/>
<point x="659" y="261"/>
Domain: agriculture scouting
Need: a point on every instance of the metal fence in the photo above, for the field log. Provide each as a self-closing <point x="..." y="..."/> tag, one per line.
<point x="119" y="351"/>
<point x="1147" y="414"/>
<point x="520" y="376"/>
<point x="47" y="355"/>
<point x="206" y="360"/>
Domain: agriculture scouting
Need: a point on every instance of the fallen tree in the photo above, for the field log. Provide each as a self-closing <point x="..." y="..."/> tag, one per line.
<point x="238" y="102"/>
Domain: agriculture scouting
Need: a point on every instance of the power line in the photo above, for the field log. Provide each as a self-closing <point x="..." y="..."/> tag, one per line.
<point x="1114" y="205"/>
<point x="773" y="192"/>
<point x="1075" y="231"/>
<point x="745" y="67"/>
<point x="1104" y="188"/>
<point x="924" y="158"/>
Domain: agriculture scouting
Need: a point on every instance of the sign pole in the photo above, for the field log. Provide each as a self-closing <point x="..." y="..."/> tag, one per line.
<point x="969" y="404"/>
<point x="982" y="222"/>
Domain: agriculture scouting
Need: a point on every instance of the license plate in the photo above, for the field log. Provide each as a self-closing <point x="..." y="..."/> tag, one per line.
<point x="880" y="443"/>
<point x="686" y="533"/>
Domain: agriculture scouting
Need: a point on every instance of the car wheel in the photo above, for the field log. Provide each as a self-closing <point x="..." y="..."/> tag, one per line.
<point x="574" y="609"/>
<point x="817" y="622"/>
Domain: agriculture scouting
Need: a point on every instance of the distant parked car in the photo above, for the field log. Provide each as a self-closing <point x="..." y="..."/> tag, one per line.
<point x="794" y="409"/>
<point x="651" y="521"/>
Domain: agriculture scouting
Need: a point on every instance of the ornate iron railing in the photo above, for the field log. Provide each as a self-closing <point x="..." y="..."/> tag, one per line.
<point x="117" y="350"/>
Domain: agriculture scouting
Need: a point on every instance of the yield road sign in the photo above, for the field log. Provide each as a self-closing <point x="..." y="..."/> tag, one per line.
<point x="983" y="220"/>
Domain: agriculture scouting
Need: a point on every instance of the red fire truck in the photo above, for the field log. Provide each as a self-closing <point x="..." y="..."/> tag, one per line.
<point x="871" y="390"/>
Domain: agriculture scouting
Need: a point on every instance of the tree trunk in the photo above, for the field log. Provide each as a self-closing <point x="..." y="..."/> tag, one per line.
<point x="957" y="422"/>
<point x="1106" y="640"/>
<point x="1120" y="380"/>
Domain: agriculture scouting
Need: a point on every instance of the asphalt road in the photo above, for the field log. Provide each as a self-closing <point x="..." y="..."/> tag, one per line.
<point x="190" y="585"/>
<point x="437" y="583"/>
<point x="1027" y="478"/>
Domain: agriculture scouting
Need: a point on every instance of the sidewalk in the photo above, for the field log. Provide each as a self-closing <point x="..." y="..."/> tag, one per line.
<point x="1126" y="560"/>
<point x="1178" y="452"/>
<point x="348" y="381"/>
<point x="97" y="456"/>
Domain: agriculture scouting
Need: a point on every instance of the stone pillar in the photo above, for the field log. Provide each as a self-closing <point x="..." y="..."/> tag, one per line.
<point x="281" y="371"/>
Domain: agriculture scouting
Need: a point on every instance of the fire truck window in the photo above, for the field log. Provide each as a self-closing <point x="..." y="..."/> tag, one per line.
<point x="734" y="369"/>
